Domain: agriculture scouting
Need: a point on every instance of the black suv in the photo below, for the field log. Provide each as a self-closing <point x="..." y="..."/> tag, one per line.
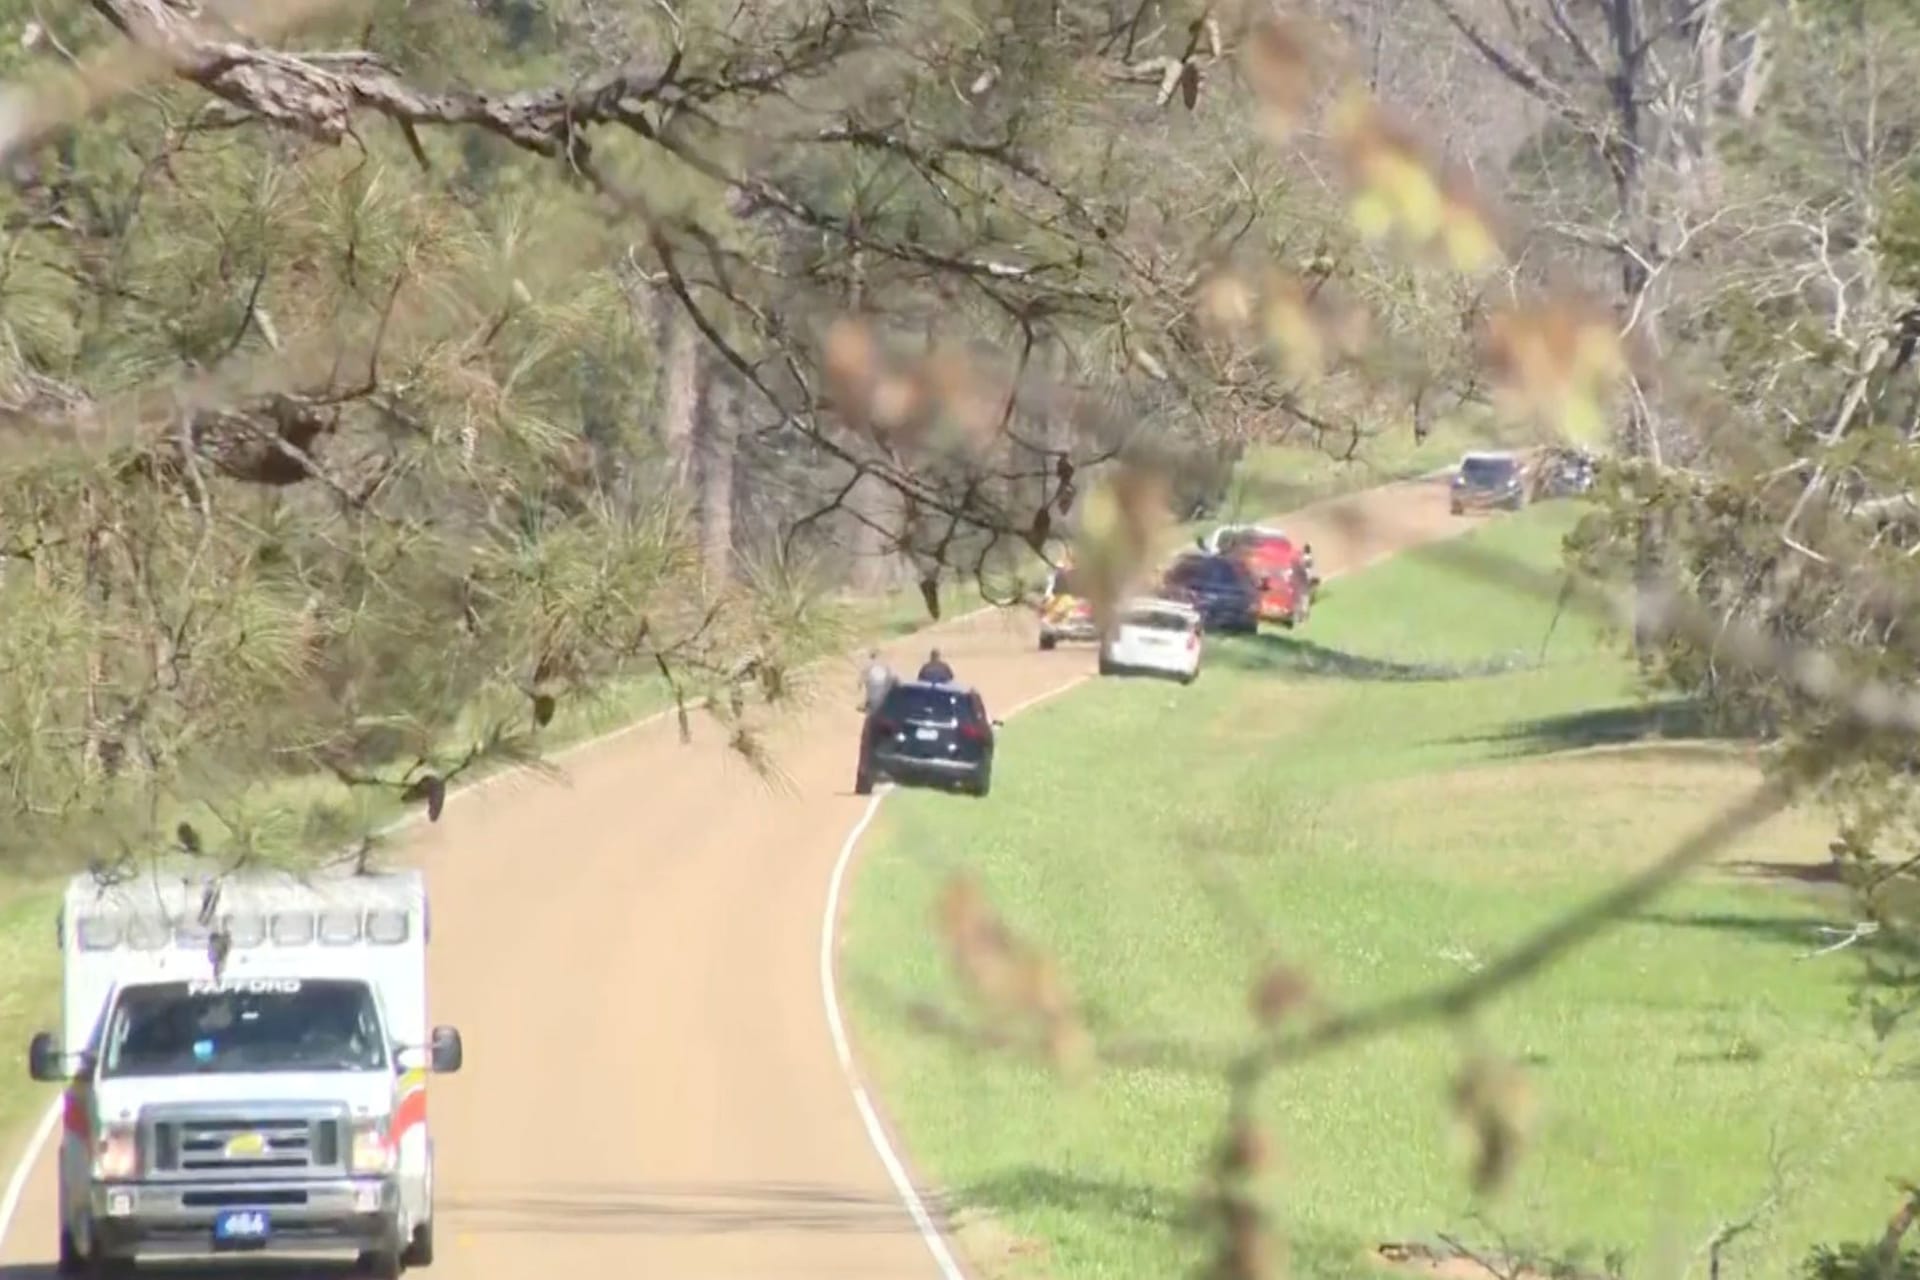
<point x="1486" y="481"/>
<point x="923" y="732"/>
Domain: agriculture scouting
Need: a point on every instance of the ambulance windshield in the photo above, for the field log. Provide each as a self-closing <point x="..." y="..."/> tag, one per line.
<point x="243" y="1025"/>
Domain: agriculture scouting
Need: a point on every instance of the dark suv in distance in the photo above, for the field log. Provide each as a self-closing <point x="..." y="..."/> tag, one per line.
<point x="1221" y="588"/>
<point x="938" y="733"/>
<point x="1488" y="481"/>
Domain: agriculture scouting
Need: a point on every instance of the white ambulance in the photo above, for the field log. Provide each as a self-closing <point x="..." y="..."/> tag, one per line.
<point x="246" y="1063"/>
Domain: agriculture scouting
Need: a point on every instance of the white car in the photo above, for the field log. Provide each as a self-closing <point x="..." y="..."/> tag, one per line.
<point x="1161" y="636"/>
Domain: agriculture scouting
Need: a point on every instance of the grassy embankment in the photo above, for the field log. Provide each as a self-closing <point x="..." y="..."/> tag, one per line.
<point x="29" y="992"/>
<point x="1384" y="833"/>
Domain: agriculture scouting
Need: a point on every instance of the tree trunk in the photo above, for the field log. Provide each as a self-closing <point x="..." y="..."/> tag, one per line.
<point x="680" y="407"/>
<point x="717" y="459"/>
<point x="875" y="514"/>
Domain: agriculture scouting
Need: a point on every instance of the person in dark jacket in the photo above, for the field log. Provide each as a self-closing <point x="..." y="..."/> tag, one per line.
<point x="935" y="670"/>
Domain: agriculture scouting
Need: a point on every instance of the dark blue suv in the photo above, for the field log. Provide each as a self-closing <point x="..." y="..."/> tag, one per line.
<point x="1220" y="587"/>
<point x="938" y="733"/>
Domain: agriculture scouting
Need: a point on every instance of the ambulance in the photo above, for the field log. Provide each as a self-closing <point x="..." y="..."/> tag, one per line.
<point x="246" y="1061"/>
<point x="1066" y="613"/>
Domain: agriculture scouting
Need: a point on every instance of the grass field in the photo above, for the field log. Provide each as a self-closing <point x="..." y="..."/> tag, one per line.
<point x="1367" y="803"/>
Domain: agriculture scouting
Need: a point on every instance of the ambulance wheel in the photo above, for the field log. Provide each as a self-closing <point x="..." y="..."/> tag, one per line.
<point x="420" y="1252"/>
<point x="1047" y="642"/>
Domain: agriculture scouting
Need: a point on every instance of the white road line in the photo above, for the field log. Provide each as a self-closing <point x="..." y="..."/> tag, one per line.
<point x="930" y="1233"/>
<point x="869" y="1117"/>
<point x="43" y="1132"/>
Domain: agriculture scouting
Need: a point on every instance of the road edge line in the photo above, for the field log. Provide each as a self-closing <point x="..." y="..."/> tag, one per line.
<point x="930" y="1232"/>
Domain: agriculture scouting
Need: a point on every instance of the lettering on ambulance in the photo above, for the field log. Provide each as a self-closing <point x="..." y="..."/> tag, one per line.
<point x="409" y="1104"/>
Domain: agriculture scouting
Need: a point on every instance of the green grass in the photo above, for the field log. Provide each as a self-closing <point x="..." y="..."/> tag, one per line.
<point x="1308" y="799"/>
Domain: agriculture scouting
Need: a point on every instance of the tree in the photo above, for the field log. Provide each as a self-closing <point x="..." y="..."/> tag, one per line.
<point x="336" y="424"/>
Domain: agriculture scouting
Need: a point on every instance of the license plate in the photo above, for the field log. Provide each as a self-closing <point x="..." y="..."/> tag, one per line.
<point x="241" y="1226"/>
<point x="927" y="735"/>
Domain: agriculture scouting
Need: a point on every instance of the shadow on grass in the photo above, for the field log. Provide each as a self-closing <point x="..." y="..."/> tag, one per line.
<point x="1622" y="725"/>
<point x="1812" y="874"/>
<point x="1032" y="1187"/>
<point x="1805" y="932"/>
<point x="1292" y="655"/>
<point x="1891" y="959"/>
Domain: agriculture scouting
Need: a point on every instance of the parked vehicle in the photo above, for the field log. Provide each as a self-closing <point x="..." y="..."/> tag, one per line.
<point x="1065" y="613"/>
<point x="1219" y="587"/>
<point x="246" y="1069"/>
<point x="1488" y="481"/>
<point x="1565" y="473"/>
<point x="1278" y="566"/>
<point x="1228" y="538"/>
<point x="1155" y="635"/>
<point x="938" y="733"/>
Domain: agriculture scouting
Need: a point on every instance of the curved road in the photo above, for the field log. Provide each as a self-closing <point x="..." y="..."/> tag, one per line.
<point x="632" y="953"/>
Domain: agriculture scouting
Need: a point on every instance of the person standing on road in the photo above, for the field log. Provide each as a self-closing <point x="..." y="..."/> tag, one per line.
<point x="876" y="680"/>
<point x="935" y="670"/>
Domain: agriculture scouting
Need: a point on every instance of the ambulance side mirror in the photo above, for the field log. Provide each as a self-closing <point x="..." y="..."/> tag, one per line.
<point x="446" y="1051"/>
<point x="43" y="1059"/>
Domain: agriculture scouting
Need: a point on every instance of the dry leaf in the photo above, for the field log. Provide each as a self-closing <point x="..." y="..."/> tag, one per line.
<point x="1120" y="526"/>
<point x="1278" y="62"/>
<point x="1558" y="363"/>
<point x="1279" y="992"/>
<point x="1493" y="1105"/>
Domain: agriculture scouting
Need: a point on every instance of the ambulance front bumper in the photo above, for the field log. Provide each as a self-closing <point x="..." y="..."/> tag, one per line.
<point x="162" y="1220"/>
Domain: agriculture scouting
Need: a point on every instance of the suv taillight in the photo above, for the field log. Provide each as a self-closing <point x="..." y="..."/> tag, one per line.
<point x="973" y="732"/>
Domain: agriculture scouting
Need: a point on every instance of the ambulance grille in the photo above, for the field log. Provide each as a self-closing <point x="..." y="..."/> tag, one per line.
<point x="250" y="1143"/>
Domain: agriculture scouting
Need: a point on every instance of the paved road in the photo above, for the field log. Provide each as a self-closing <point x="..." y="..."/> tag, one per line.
<point x="632" y="955"/>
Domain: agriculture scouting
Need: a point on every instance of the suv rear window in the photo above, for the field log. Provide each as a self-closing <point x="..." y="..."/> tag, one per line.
<point x="907" y="703"/>
<point x="1208" y="570"/>
<point x="1159" y="620"/>
<point x="1486" y="470"/>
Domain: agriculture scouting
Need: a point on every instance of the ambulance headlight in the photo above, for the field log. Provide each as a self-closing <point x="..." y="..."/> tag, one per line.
<point x="116" y="1153"/>
<point x="372" y="1152"/>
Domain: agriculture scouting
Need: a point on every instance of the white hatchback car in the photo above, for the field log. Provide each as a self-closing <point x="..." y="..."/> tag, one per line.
<point x="1155" y="635"/>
